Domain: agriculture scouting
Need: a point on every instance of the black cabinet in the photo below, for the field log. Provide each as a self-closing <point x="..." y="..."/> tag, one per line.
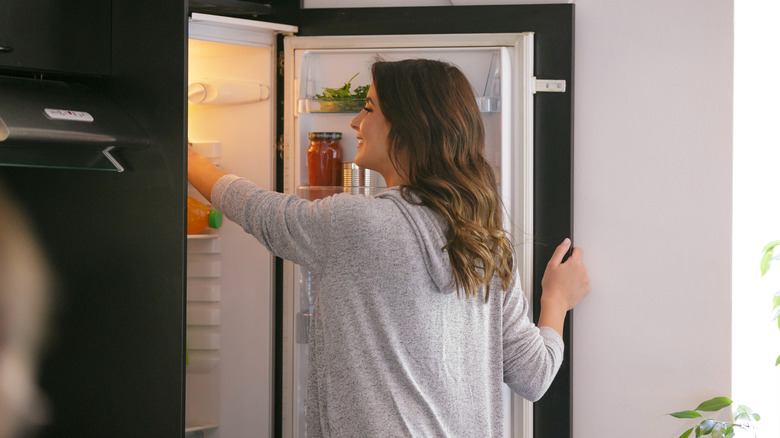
<point x="114" y="365"/>
<point x="56" y="36"/>
<point x="275" y="11"/>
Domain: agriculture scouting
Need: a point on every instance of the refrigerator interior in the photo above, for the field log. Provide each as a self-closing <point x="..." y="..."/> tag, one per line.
<point x="489" y="69"/>
<point x="320" y="68"/>
<point x="229" y="274"/>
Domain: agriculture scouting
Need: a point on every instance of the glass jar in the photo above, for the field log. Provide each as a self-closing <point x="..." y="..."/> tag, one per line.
<point x="323" y="158"/>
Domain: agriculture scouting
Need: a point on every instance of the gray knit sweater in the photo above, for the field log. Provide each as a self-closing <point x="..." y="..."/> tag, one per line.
<point x="394" y="351"/>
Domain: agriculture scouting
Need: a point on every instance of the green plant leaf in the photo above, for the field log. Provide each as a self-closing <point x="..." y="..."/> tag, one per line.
<point x="743" y="413"/>
<point x="714" y="404"/>
<point x="757" y="417"/>
<point x="765" y="262"/>
<point x="707" y="426"/>
<point x="767" y="258"/>
<point x="687" y="433"/>
<point x="771" y="245"/>
<point x="743" y="410"/>
<point x="777" y="362"/>
<point x="775" y="313"/>
<point x="719" y="430"/>
<point x="685" y="414"/>
<point x="776" y="300"/>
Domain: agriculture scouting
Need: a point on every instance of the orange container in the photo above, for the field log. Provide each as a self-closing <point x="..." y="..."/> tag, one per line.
<point x="201" y="217"/>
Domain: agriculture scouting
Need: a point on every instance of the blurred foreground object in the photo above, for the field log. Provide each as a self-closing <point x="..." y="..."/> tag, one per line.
<point x="24" y="311"/>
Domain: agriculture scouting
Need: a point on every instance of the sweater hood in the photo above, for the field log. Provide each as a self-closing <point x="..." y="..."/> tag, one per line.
<point x="429" y="228"/>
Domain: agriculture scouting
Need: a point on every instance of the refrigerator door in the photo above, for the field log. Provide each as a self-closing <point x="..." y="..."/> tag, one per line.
<point x="230" y="284"/>
<point x="500" y="69"/>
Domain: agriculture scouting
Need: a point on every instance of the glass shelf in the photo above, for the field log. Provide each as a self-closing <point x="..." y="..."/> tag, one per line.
<point x="330" y="106"/>
<point x="199" y="431"/>
<point x="59" y="158"/>
<point x="341" y="106"/>
<point x="319" y="192"/>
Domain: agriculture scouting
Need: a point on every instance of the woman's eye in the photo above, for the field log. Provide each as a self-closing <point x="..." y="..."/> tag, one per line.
<point x="366" y="109"/>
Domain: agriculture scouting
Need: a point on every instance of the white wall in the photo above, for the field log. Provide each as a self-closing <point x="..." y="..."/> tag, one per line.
<point x="652" y="210"/>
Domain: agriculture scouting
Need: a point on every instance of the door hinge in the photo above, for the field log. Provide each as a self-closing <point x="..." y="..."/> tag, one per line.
<point x="280" y="144"/>
<point x="549" y="85"/>
<point x="280" y="63"/>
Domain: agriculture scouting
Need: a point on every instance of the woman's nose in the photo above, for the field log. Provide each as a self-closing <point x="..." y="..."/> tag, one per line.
<point x="355" y="123"/>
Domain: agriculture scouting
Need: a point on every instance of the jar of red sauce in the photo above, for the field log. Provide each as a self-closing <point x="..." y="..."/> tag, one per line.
<point x="323" y="158"/>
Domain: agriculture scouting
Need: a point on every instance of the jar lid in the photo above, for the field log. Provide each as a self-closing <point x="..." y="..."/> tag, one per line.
<point x="324" y="136"/>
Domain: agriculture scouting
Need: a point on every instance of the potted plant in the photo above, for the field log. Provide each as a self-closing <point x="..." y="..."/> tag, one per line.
<point x="743" y="420"/>
<point x="745" y="417"/>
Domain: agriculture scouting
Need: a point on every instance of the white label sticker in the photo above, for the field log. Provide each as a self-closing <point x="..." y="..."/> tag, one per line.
<point x="76" y="116"/>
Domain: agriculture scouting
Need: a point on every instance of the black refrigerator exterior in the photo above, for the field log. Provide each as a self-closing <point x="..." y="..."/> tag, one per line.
<point x="114" y="365"/>
<point x="117" y="243"/>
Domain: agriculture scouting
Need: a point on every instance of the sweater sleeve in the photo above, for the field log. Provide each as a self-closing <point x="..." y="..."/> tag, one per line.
<point x="291" y="228"/>
<point x="532" y="355"/>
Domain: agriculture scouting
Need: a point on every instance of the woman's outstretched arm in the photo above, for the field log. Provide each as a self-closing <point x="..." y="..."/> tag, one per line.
<point x="202" y="173"/>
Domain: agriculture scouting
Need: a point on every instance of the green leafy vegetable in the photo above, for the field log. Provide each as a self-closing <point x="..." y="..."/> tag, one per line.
<point x="342" y="99"/>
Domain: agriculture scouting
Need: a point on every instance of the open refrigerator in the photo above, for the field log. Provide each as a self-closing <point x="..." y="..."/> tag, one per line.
<point x="231" y="305"/>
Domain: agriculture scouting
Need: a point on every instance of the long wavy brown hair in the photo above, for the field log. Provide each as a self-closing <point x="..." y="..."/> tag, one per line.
<point x="436" y="140"/>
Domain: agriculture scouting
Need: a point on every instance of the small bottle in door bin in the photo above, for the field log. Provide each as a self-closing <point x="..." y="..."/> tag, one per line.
<point x="323" y="158"/>
<point x="201" y="217"/>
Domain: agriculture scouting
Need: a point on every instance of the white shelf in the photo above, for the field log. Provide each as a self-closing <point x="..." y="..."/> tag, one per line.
<point x="206" y="235"/>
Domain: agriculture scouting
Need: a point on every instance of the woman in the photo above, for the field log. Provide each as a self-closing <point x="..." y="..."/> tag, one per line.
<point x="419" y="316"/>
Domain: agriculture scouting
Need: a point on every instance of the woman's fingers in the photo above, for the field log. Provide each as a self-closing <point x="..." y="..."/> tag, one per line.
<point x="560" y="252"/>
